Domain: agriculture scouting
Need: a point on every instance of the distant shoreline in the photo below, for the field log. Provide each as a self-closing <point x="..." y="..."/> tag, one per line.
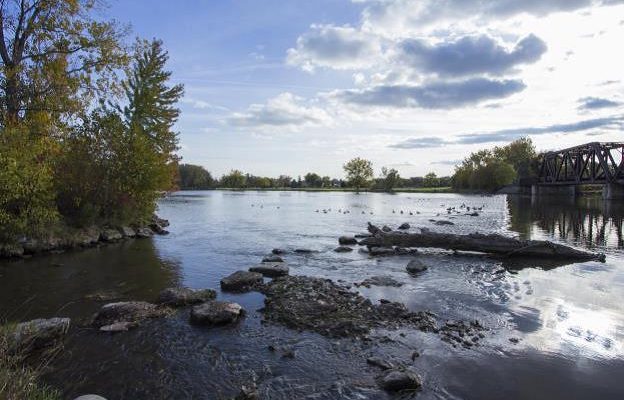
<point x="398" y="190"/>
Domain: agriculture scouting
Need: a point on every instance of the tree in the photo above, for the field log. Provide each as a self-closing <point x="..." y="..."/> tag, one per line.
<point x="359" y="172"/>
<point x="194" y="177"/>
<point x="55" y="58"/>
<point x="326" y="182"/>
<point x="235" y="180"/>
<point x="283" y="181"/>
<point x="390" y="178"/>
<point x="430" y="180"/>
<point x="312" y="180"/>
<point x="521" y="155"/>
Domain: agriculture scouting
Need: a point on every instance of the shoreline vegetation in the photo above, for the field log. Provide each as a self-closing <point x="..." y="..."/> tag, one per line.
<point x="446" y="189"/>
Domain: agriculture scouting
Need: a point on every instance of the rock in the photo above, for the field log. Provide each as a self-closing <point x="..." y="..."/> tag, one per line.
<point x="126" y="231"/>
<point x="103" y="295"/>
<point x="395" y="380"/>
<point x="87" y="237"/>
<point x="304" y="251"/>
<point x="380" y="281"/>
<point x="216" y="313"/>
<point x="271" y="270"/>
<point x="110" y="235"/>
<point x="241" y="281"/>
<point x="144" y="233"/>
<point x="179" y="297"/>
<point x="415" y="267"/>
<point x="278" y="251"/>
<point x="160" y="221"/>
<point x="127" y="311"/>
<point x="11" y="250"/>
<point x="119" y="327"/>
<point x="343" y="249"/>
<point x="90" y="397"/>
<point x="379" y="362"/>
<point x="272" y="258"/>
<point x="473" y="214"/>
<point x="444" y="222"/>
<point x="362" y="235"/>
<point x="404" y="226"/>
<point x="347" y="240"/>
<point x="386" y="228"/>
<point x="158" y="229"/>
<point x="381" y="251"/>
<point x="248" y="392"/>
<point x="38" y="333"/>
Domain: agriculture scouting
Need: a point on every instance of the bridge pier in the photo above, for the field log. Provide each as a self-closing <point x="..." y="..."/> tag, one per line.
<point x="613" y="191"/>
<point x="553" y="190"/>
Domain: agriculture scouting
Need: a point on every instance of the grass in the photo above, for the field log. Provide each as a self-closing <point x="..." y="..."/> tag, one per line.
<point x="18" y="381"/>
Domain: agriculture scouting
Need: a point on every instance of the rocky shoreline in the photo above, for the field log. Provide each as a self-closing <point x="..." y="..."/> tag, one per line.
<point x="77" y="238"/>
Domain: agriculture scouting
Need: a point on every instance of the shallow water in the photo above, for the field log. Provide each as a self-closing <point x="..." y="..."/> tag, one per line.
<point x="569" y="318"/>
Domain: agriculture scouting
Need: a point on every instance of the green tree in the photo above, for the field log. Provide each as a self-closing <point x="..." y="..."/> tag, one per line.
<point x="521" y="155"/>
<point x="235" y="180"/>
<point x="390" y="178"/>
<point x="312" y="180"/>
<point x="194" y="177"/>
<point x="359" y="172"/>
<point x="430" y="180"/>
<point x="56" y="58"/>
<point x="326" y="182"/>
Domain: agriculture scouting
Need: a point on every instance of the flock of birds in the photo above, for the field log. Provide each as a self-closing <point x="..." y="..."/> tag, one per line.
<point x="462" y="209"/>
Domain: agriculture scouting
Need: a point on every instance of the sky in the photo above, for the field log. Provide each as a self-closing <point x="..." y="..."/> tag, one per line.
<point x="295" y="86"/>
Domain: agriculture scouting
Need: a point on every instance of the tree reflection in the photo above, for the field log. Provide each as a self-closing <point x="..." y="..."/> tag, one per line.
<point x="586" y="221"/>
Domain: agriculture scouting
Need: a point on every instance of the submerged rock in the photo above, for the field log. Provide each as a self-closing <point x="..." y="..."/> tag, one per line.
<point x="395" y="380"/>
<point x="127" y="311"/>
<point x="90" y="397"/>
<point x="216" y="313"/>
<point x="381" y="251"/>
<point x="119" y="327"/>
<point x="38" y="333"/>
<point x="304" y="251"/>
<point x="379" y="362"/>
<point x="272" y="258"/>
<point x="179" y="297"/>
<point x="343" y="249"/>
<point x="320" y="305"/>
<point x="277" y="251"/>
<point x="444" y="222"/>
<point x="415" y="267"/>
<point x="110" y="235"/>
<point x="241" y="281"/>
<point x="404" y="226"/>
<point x="386" y="228"/>
<point x="271" y="270"/>
<point x="347" y="240"/>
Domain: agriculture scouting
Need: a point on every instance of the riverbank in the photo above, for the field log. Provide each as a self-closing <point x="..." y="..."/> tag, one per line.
<point x="446" y="189"/>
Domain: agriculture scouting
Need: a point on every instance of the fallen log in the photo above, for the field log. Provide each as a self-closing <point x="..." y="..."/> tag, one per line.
<point x="477" y="242"/>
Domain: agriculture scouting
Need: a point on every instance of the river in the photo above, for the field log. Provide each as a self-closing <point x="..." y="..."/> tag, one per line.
<point x="567" y="319"/>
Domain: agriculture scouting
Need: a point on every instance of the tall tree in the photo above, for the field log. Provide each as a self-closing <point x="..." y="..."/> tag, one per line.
<point x="55" y="58"/>
<point x="390" y="178"/>
<point x="359" y="172"/>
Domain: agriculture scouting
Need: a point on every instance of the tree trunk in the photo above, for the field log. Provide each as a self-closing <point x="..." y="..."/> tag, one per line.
<point x="491" y="244"/>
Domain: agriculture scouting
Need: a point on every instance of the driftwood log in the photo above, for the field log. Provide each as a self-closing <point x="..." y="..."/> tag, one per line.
<point x="477" y="242"/>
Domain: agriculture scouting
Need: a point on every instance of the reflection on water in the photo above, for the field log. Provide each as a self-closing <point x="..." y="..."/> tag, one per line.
<point x="585" y="221"/>
<point x="568" y="318"/>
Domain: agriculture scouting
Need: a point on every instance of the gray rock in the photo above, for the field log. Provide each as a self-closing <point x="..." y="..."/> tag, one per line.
<point x="386" y="228"/>
<point x="87" y="237"/>
<point x="381" y="251"/>
<point x="363" y="235"/>
<point x="272" y="258"/>
<point x="343" y="249"/>
<point x="404" y="226"/>
<point x="379" y="362"/>
<point x="271" y="270"/>
<point x="380" y="281"/>
<point x="126" y="231"/>
<point x="395" y="380"/>
<point x="158" y="228"/>
<point x="144" y="233"/>
<point x="241" y="281"/>
<point x="415" y="267"/>
<point x="119" y="327"/>
<point x="277" y="251"/>
<point x="127" y="311"/>
<point x="90" y="397"/>
<point x="347" y="240"/>
<point x="304" y="251"/>
<point x="216" y="313"/>
<point x="444" y="222"/>
<point x="179" y="297"/>
<point x="38" y="333"/>
<point x="110" y="235"/>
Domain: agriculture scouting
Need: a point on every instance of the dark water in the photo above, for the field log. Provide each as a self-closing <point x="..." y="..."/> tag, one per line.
<point x="569" y="318"/>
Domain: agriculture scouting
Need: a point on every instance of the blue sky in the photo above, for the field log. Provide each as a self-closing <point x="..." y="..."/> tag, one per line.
<point x="292" y="86"/>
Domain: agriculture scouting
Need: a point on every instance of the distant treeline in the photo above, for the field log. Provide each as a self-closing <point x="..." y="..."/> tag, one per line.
<point x="195" y="177"/>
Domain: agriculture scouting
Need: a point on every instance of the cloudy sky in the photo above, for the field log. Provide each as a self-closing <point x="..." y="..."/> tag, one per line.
<point x="292" y="86"/>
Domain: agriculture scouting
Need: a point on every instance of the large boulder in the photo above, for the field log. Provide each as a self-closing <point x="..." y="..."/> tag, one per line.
<point x="127" y="311"/>
<point x="127" y="231"/>
<point x="404" y="226"/>
<point x="38" y="333"/>
<point x="380" y="281"/>
<point x="241" y="281"/>
<point x="347" y="240"/>
<point x="394" y="380"/>
<point x="216" y="313"/>
<point x="144" y="232"/>
<point x="415" y="267"/>
<point x="179" y="297"/>
<point x="110" y="235"/>
<point x="271" y="270"/>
